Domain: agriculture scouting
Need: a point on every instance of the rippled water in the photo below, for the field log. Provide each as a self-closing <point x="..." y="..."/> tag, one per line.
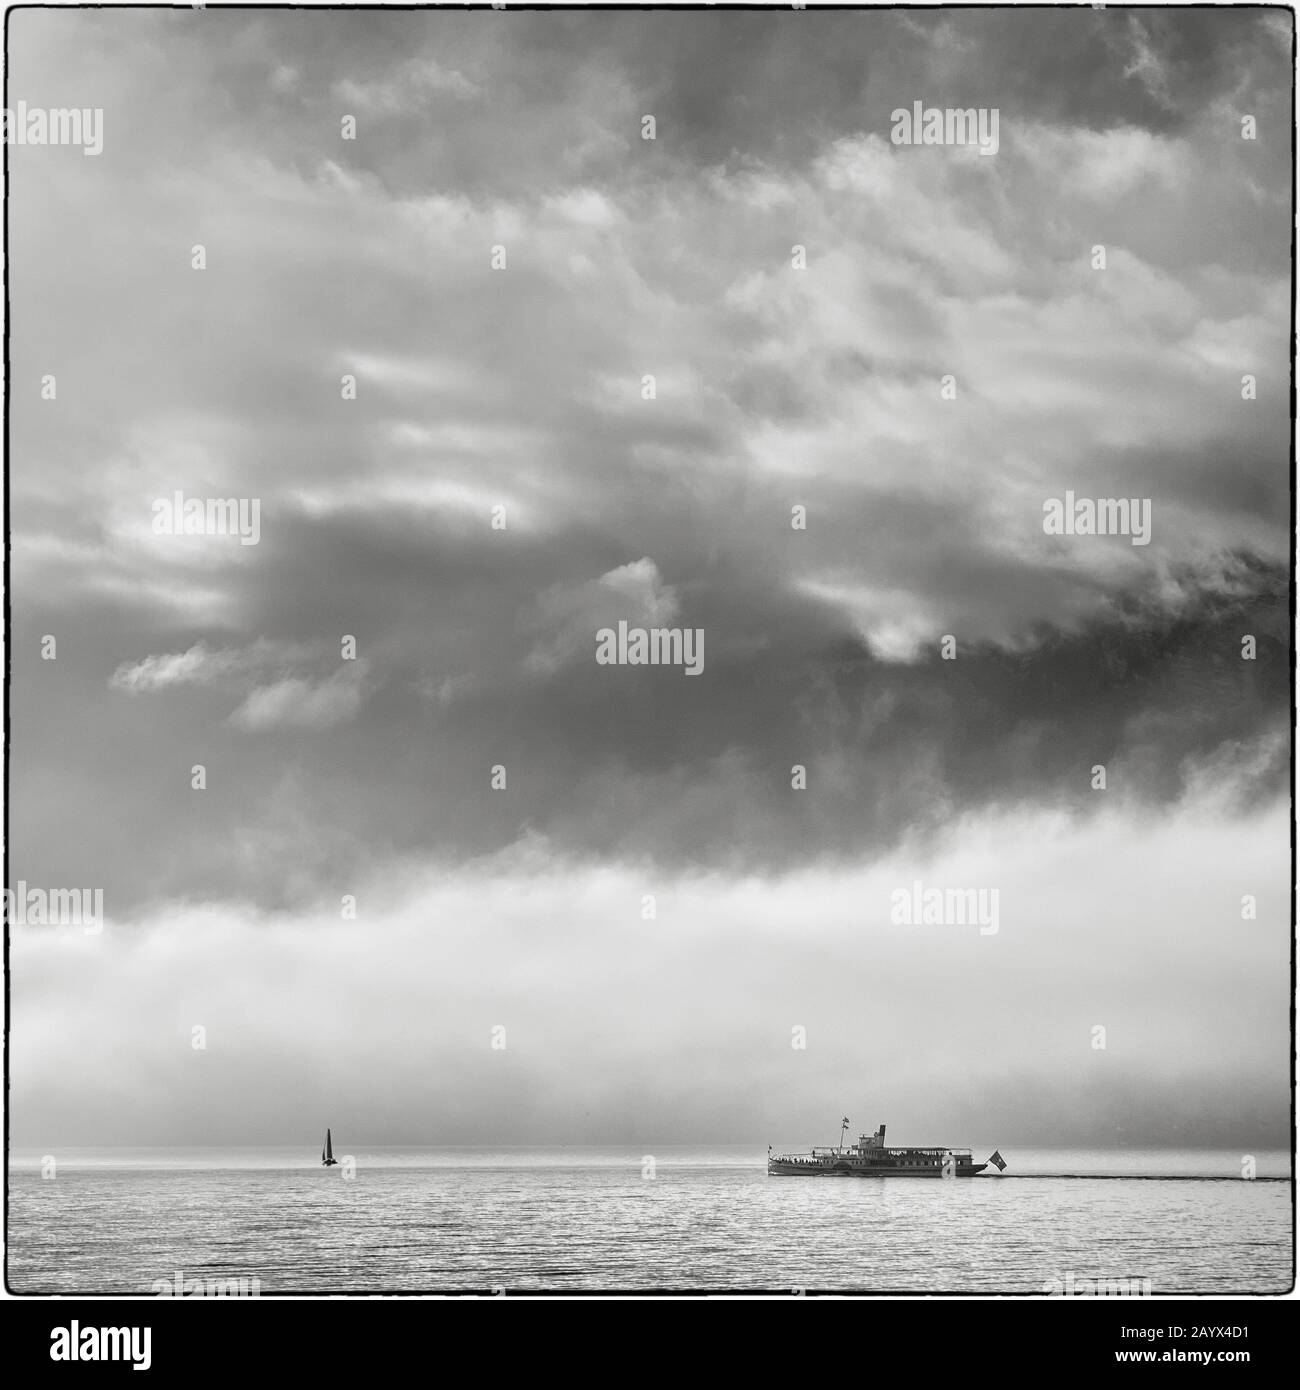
<point x="416" y="1220"/>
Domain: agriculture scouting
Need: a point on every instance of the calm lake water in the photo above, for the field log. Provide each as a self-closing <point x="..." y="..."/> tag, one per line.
<point x="412" y="1220"/>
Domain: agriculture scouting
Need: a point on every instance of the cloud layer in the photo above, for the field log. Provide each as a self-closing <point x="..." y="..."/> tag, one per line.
<point x="498" y="263"/>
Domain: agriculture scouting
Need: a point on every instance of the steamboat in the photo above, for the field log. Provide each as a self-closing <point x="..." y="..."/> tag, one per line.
<point x="870" y="1158"/>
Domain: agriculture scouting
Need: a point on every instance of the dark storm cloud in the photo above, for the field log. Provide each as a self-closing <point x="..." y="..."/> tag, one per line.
<point x="647" y="765"/>
<point x="520" y="99"/>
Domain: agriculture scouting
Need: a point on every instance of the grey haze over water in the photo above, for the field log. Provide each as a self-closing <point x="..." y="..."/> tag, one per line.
<point x="524" y="909"/>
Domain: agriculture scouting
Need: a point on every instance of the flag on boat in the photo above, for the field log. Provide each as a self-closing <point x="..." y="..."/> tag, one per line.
<point x="997" y="1158"/>
<point x="844" y="1123"/>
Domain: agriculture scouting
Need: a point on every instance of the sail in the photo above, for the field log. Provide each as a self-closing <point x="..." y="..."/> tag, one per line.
<point x="329" y="1147"/>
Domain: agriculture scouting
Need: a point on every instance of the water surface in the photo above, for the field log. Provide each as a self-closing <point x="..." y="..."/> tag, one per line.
<point x="412" y="1220"/>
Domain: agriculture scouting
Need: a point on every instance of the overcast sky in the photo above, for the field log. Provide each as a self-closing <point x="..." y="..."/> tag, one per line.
<point x="522" y="908"/>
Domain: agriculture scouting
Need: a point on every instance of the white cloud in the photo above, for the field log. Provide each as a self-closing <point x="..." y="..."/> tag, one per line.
<point x="203" y="665"/>
<point x="567" y="617"/>
<point x="297" y="703"/>
<point x="406" y="89"/>
<point x="275" y="698"/>
<point x="1105" y="165"/>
